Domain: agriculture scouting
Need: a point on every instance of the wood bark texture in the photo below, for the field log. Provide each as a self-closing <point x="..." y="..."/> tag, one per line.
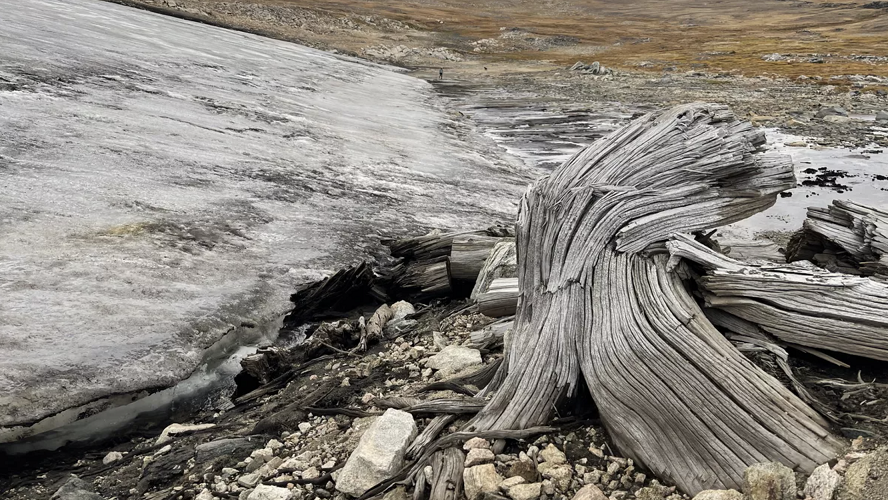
<point x="672" y="391"/>
<point x="468" y="255"/>
<point x="844" y="237"/>
<point x="797" y="303"/>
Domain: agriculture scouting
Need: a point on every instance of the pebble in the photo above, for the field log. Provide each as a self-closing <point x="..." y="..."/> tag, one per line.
<point x="476" y="442"/>
<point x="478" y="456"/>
<point x="304" y="427"/>
<point x="249" y="480"/>
<point x="112" y="457"/>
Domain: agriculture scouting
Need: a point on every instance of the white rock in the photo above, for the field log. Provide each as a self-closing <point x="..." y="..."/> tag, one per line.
<point x="178" y="429"/>
<point x="553" y="455"/>
<point x="263" y="492"/>
<point x="590" y="492"/>
<point x="304" y="427"/>
<point x="476" y="442"/>
<point x="274" y="445"/>
<point x="249" y="480"/>
<point x="379" y="454"/>
<point x="478" y="456"/>
<point x="823" y="483"/>
<point x="525" y="491"/>
<point x="454" y="359"/>
<point x="112" y="457"/>
<point x="481" y="479"/>
<point x="769" y="481"/>
<point x="401" y="309"/>
<point x="205" y="494"/>
<point x="165" y="449"/>
<point x="719" y="495"/>
<point x="511" y="481"/>
<point x="262" y="455"/>
<point x="560" y="474"/>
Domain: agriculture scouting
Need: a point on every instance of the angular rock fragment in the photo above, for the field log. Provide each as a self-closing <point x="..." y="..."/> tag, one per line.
<point x="379" y="454"/>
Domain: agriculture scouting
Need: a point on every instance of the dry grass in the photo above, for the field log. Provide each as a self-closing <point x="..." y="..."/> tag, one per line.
<point x="715" y="35"/>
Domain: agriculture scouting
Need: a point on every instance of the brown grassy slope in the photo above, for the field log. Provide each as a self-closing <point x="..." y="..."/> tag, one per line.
<point x="720" y="35"/>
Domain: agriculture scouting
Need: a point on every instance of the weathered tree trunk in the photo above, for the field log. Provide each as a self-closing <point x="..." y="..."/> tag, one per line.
<point x="674" y="394"/>
<point x="468" y="255"/>
<point x="447" y="474"/>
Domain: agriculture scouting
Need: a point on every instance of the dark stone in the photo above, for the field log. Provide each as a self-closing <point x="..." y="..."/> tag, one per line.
<point x="164" y="470"/>
<point x="75" y="489"/>
<point x="525" y="470"/>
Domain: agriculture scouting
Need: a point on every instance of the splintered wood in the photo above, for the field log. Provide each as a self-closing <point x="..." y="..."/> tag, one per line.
<point x="596" y="301"/>
<point x="844" y="237"/>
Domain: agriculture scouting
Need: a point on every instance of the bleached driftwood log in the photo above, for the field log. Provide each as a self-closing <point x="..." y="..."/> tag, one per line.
<point x="842" y="237"/>
<point x="800" y="304"/>
<point x="500" y="299"/>
<point x="468" y="254"/>
<point x="447" y="474"/>
<point x="501" y="263"/>
<point x="674" y="394"/>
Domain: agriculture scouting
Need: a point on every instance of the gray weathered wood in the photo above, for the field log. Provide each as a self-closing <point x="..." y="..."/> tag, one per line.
<point x="500" y="299"/>
<point x="674" y="394"/>
<point x="447" y="474"/>
<point x="468" y="254"/>
<point x="502" y="263"/>
<point x="844" y="236"/>
<point x="796" y="303"/>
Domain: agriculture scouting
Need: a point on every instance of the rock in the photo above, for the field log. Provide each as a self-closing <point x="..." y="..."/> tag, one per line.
<point x="831" y="111"/>
<point x="304" y="427"/>
<point x="511" y="481"/>
<point x="882" y="116"/>
<point x="837" y="119"/>
<point x="478" y="456"/>
<point x="454" y="359"/>
<point x="75" y="489"/>
<point x="525" y="470"/>
<point x="525" y="491"/>
<point x="719" y="495"/>
<point x="769" y="481"/>
<point x="590" y="492"/>
<point x="553" y="455"/>
<point x="560" y="474"/>
<point x="274" y="445"/>
<point x="249" y="480"/>
<point x="179" y="429"/>
<point x="112" y="457"/>
<point x="311" y="473"/>
<point x="481" y="479"/>
<point x="263" y="492"/>
<point x="652" y="492"/>
<point x="262" y="455"/>
<point x="205" y="494"/>
<point x="823" y="483"/>
<point x="379" y="454"/>
<point x="794" y="144"/>
<point x="401" y="309"/>
<point x="867" y="478"/>
<point x="476" y="442"/>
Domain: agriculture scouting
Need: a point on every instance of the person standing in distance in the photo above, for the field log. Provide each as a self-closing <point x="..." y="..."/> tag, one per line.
<point x="441" y="74"/>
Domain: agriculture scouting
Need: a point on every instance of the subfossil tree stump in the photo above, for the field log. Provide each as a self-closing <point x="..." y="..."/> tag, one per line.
<point x="597" y="300"/>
